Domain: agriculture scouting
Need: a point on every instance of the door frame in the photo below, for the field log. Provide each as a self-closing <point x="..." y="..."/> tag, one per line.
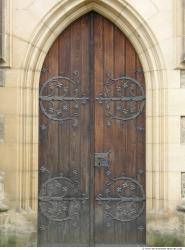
<point x="57" y="19"/>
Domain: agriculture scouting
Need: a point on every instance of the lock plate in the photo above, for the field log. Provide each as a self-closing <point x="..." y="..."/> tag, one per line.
<point x="101" y="160"/>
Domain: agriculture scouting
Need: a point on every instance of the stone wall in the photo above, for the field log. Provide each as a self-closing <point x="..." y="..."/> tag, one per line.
<point x="155" y="29"/>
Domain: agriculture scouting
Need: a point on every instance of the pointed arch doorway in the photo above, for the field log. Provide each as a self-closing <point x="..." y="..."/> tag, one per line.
<point x="92" y="139"/>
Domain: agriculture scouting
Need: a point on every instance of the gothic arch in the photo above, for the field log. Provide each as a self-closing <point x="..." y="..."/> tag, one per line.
<point x="136" y="29"/>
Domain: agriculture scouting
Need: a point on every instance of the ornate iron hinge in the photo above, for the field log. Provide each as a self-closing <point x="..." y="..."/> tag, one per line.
<point x="61" y="98"/>
<point x="60" y="198"/>
<point x="122" y="197"/>
<point x="122" y="98"/>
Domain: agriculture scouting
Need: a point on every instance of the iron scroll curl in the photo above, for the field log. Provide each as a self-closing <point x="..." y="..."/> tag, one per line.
<point x="124" y="199"/>
<point x="60" y="198"/>
<point x="123" y="99"/>
<point x="61" y="98"/>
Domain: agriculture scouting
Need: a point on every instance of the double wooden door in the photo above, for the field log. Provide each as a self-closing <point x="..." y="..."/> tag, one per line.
<point x="92" y="139"/>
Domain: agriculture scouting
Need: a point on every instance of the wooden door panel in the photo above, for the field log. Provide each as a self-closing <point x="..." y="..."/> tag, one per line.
<point x="92" y="139"/>
<point x="120" y="138"/>
<point x="65" y="152"/>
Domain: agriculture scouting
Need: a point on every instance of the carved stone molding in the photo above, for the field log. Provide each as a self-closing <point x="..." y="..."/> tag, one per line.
<point x="1" y="28"/>
<point x="2" y="77"/>
<point x="5" y="33"/>
<point x="182" y="138"/>
<point x="1" y="128"/>
<point x="179" y="15"/>
<point x="183" y="185"/>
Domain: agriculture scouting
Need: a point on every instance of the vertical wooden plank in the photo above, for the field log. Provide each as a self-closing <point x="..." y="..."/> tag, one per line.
<point x="140" y="160"/>
<point x="99" y="127"/>
<point x="109" y="144"/>
<point x="85" y="135"/>
<point x="131" y="139"/>
<point x="75" y="142"/>
<point x="63" y="145"/>
<point x="92" y="132"/>
<point x="42" y="236"/>
<point x="49" y="135"/>
<point x="120" y="132"/>
<point x="52" y="140"/>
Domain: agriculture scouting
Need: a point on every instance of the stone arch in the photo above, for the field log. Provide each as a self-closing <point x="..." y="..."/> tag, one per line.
<point x="135" y="28"/>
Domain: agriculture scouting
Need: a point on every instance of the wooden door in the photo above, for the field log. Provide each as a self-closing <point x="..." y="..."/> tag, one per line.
<point x="92" y="139"/>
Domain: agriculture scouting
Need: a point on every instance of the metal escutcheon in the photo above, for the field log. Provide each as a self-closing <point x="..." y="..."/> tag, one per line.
<point x="101" y="160"/>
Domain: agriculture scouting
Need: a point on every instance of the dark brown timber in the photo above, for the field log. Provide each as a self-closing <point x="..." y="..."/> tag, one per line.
<point x="91" y="139"/>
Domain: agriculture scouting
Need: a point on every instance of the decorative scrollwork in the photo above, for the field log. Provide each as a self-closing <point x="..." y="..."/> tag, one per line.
<point x="123" y="99"/>
<point x="60" y="199"/>
<point x="123" y="199"/>
<point x="60" y="98"/>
